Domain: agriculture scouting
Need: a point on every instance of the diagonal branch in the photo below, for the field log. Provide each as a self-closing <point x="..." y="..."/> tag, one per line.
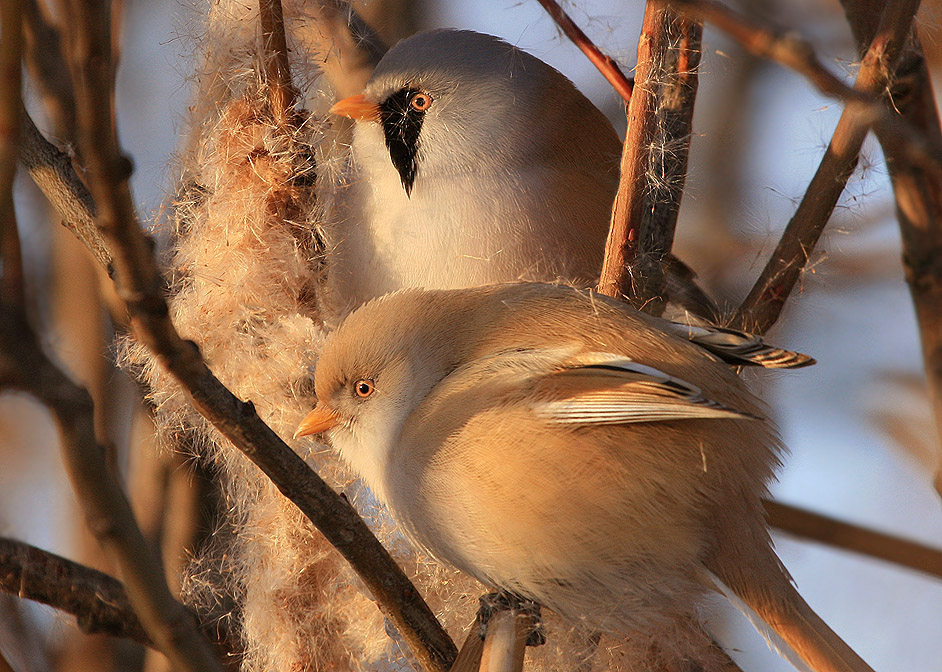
<point x="605" y="64"/>
<point x="762" y="306"/>
<point x="918" y="200"/>
<point x="25" y="367"/>
<point x="52" y="171"/>
<point x="139" y="285"/>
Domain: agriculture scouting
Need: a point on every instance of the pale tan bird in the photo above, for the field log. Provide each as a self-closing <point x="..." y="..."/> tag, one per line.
<point x="472" y="162"/>
<point x="569" y="449"/>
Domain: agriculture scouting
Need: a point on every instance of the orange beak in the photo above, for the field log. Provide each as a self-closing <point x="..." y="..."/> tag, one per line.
<point x="319" y="420"/>
<point x="356" y="107"/>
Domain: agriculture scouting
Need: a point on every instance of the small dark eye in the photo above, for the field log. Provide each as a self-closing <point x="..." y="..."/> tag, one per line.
<point x="420" y="102"/>
<point x="363" y="388"/>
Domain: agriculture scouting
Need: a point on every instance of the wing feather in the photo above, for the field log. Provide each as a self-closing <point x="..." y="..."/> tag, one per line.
<point x="602" y="388"/>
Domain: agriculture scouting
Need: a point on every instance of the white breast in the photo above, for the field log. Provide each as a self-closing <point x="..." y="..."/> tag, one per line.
<point x="461" y="230"/>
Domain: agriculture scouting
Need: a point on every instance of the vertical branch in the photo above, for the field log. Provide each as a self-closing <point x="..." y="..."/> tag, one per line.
<point x="667" y="169"/>
<point x="621" y="245"/>
<point x="11" y="51"/>
<point x="659" y="117"/>
<point x="48" y="70"/>
<point x="918" y="199"/>
<point x="281" y="91"/>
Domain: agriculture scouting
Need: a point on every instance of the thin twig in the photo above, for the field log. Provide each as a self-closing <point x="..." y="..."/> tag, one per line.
<point x="281" y="90"/>
<point x="605" y="64"/>
<point x="139" y="285"/>
<point x="793" y="52"/>
<point x="654" y="159"/>
<point x="765" y="301"/>
<point x="787" y="49"/>
<point x="848" y="537"/>
<point x="11" y="52"/>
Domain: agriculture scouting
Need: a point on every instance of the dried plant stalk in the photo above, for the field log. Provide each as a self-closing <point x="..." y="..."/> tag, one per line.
<point x="654" y="159"/>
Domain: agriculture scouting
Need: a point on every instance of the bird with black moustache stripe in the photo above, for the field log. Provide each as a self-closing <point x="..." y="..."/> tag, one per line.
<point x="472" y="162"/>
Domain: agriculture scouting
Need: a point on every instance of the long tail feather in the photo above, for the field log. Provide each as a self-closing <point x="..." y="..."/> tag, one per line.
<point x="779" y="606"/>
<point x="772" y="638"/>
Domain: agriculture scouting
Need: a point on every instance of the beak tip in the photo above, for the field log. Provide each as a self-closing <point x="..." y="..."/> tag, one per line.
<point x="317" y="421"/>
<point x="357" y="108"/>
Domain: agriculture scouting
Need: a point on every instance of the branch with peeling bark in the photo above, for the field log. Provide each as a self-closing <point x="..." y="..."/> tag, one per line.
<point x="657" y="143"/>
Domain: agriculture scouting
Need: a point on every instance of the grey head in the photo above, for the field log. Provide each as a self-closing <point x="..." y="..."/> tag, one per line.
<point x="457" y="101"/>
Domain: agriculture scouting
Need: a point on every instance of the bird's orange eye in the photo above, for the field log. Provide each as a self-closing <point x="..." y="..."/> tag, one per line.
<point x="363" y="388"/>
<point x="420" y="102"/>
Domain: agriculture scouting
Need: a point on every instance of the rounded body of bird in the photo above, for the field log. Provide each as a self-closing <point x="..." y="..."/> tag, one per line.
<point x="555" y="444"/>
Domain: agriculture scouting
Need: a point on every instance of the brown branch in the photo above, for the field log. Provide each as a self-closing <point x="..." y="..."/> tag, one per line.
<point x="918" y="199"/>
<point x="97" y="600"/>
<point x="786" y="49"/>
<point x="106" y="508"/>
<point x="667" y="163"/>
<point x="11" y="51"/>
<point x="654" y="159"/>
<point x="621" y="245"/>
<point x="23" y="366"/>
<point x="762" y="306"/>
<point x="854" y="538"/>
<point x="281" y="91"/>
<point x="139" y="285"/>
<point x="795" y="53"/>
<point x="47" y="67"/>
<point x="53" y="173"/>
<point x="605" y="64"/>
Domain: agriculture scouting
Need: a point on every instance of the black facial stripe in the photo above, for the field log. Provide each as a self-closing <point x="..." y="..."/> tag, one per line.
<point x="401" y="126"/>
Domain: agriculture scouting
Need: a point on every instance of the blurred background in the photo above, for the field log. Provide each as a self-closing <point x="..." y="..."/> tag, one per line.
<point x="858" y="424"/>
